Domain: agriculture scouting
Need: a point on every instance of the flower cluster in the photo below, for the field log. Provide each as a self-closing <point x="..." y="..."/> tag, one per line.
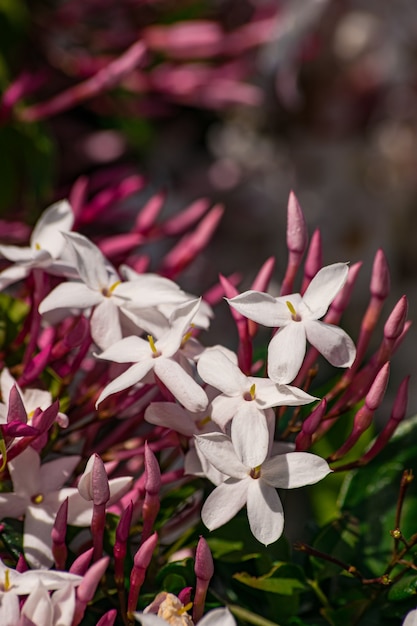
<point x="118" y="350"/>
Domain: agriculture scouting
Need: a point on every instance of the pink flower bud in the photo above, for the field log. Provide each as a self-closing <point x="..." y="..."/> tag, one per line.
<point x="58" y="533"/>
<point x="82" y="563"/>
<point x="297" y="236"/>
<point x="141" y="562"/>
<point x="380" y="280"/>
<point x="94" y="483"/>
<point x="314" y="259"/>
<point x="204" y="570"/>
<point x="186" y="218"/>
<point x="148" y="214"/>
<point x="395" y="322"/>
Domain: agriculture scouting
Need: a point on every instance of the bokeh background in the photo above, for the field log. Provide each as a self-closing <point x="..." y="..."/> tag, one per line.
<point x="236" y="100"/>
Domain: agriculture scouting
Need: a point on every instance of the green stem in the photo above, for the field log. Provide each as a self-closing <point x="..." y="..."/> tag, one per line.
<point x="248" y="616"/>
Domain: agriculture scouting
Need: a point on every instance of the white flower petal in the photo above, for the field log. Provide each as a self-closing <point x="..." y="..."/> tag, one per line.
<point x="70" y="295"/>
<point x="13" y="505"/>
<point x="324" y="287"/>
<point x="250" y="435"/>
<point x="12" y="275"/>
<point x="94" y="270"/>
<point x="332" y="342"/>
<point x="286" y="352"/>
<point x="38" y="606"/>
<point x="265" y="513"/>
<point x="224" y="408"/>
<point x="63" y="602"/>
<point x="54" y="220"/>
<point x="130" y="377"/>
<point x="105" y="324"/>
<point x="219" y="451"/>
<point x="9" y="609"/>
<point x="37" y="541"/>
<point x="25" y="482"/>
<point x="262" y="308"/>
<point x="180" y="384"/>
<point x="217" y="370"/>
<point x="224" y="502"/>
<point x="54" y="474"/>
<point x="294" y="469"/>
<point x="269" y="394"/>
<point x="410" y="618"/>
<point x="171" y="415"/>
<point x="118" y="488"/>
<point x="218" y="617"/>
<point x="148" y="619"/>
<point x="128" y="350"/>
<point x="17" y="254"/>
<point x="180" y="322"/>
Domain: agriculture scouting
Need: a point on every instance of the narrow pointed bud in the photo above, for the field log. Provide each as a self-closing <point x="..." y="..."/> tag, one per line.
<point x="94" y="485"/>
<point x="58" y="533"/>
<point x="120" y="545"/>
<point x="297" y="239"/>
<point x="72" y="339"/>
<point x="380" y="280"/>
<point x="394" y="325"/>
<point x="16" y="409"/>
<point x="185" y="219"/>
<point x="82" y="563"/>
<point x="341" y="301"/>
<point x="263" y="277"/>
<point x="21" y="565"/>
<point x="184" y="595"/>
<point x="108" y="618"/>
<point x="314" y="259"/>
<point x="363" y="417"/>
<point x="141" y="562"/>
<point x="151" y="503"/>
<point x="204" y="570"/>
<point x="148" y="215"/>
<point x="397" y="415"/>
<point x="87" y="588"/>
<point x="304" y="438"/>
<point x="242" y="325"/>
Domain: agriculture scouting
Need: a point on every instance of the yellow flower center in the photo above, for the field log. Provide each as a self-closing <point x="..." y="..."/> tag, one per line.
<point x="255" y="472"/>
<point x="38" y="499"/>
<point x="295" y="316"/>
<point x="107" y="291"/>
<point x="174" y="612"/>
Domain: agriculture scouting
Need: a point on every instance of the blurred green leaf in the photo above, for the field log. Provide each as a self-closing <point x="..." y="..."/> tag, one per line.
<point x="284" y="578"/>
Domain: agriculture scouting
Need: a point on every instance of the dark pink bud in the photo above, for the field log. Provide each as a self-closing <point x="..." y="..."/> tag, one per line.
<point x="184" y="595"/>
<point x="87" y="588"/>
<point x="141" y="562"/>
<point x="149" y="213"/>
<point x="82" y="563"/>
<point x="16" y="411"/>
<point x="380" y="280"/>
<point x="204" y="570"/>
<point x="304" y="438"/>
<point x="297" y="236"/>
<point x="94" y="483"/>
<point x="376" y="393"/>
<point x="395" y="322"/>
<point x="143" y="556"/>
<point x="58" y="534"/>
<point x="342" y="299"/>
<point x="108" y="618"/>
<point x="314" y="259"/>
<point x="185" y="219"/>
<point x="21" y="565"/>
<point x="153" y="473"/>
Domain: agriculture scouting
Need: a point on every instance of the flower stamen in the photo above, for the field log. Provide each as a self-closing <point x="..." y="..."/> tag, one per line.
<point x="152" y="344"/>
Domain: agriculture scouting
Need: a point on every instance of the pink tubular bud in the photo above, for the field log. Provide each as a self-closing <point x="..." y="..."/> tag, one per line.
<point x="108" y="618"/>
<point x="94" y="483"/>
<point x="58" y="534"/>
<point x="376" y="393"/>
<point x="395" y="322"/>
<point x="341" y="301"/>
<point x="151" y="503"/>
<point x="141" y="562"/>
<point x="297" y="236"/>
<point x="16" y="411"/>
<point x="263" y="277"/>
<point x="120" y="545"/>
<point x="87" y="588"/>
<point x="184" y="595"/>
<point x="153" y="473"/>
<point x="304" y="438"/>
<point x="380" y="280"/>
<point x="149" y="213"/>
<point x="82" y="563"/>
<point x="314" y="259"/>
<point x="186" y="218"/>
<point x="204" y="570"/>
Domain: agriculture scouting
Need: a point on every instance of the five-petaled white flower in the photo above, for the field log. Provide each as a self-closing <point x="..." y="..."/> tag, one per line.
<point x="255" y="486"/>
<point x="297" y="318"/>
<point x="158" y="356"/>
<point x="244" y="400"/>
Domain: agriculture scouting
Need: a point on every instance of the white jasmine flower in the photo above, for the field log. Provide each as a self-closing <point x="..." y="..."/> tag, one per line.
<point x="297" y="318"/>
<point x="160" y="357"/>
<point x="45" y="610"/>
<point x="38" y="494"/>
<point x="255" y="486"/>
<point x="45" y="249"/>
<point x="168" y="609"/>
<point x="410" y="618"/>
<point x="244" y="400"/>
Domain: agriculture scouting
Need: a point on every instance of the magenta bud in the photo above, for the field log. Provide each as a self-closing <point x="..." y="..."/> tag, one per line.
<point x="153" y="473"/>
<point x="108" y="618"/>
<point x="149" y="213"/>
<point x="297" y="236"/>
<point x="263" y="277"/>
<point x="82" y="563"/>
<point x="342" y="299"/>
<point x="395" y="322"/>
<point x="94" y="483"/>
<point x="16" y="410"/>
<point x="87" y="587"/>
<point x="143" y="556"/>
<point x="141" y="562"/>
<point x="58" y="534"/>
<point x="123" y="527"/>
<point x="184" y="595"/>
<point x="21" y="565"/>
<point x="203" y="565"/>
<point x="380" y="280"/>
<point x="314" y="258"/>
<point x="310" y="425"/>
<point x="400" y="402"/>
<point x="376" y="393"/>
<point x="186" y="218"/>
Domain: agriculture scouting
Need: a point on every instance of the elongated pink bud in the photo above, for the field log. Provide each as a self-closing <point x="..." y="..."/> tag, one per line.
<point x="297" y="239"/>
<point x="120" y="545"/>
<point x="186" y="218"/>
<point x="108" y="618"/>
<point x="94" y="486"/>
<point x="341" y="301"/>
<point x="394" y="325"/>
<point x="87" y="588"/>
<point x="148" y="214"/>
<point x="152" y="503"/>
<point x="141" y="562"/>
<point x="16" y="411"/>
<point x="58" y="534"/>
<point x="314" y="259"/>
<point x="380" y="280"/>
<point x="82" y="563"/>
<point x="204" y="570"/>
<point x="304" y="438"/>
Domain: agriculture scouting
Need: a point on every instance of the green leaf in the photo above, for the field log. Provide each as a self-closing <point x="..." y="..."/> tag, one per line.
<point x="338" y="539"/>
<point x="284" y="579"/>
<point x="404" y="588"/>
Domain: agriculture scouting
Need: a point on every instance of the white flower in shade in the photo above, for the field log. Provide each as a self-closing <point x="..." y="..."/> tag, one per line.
<point x="168" y="609"/>
<point x="45" y="610"/>
<point x="297" y="318"/>
<point x="31" y="398"/>
<point x="45" y="249"/>
<point x="38" y="494"/>
<point x="244" y="400"/>
<point x="255" y="486"/>
<point x="410" y="618"/>
<point x="160" y="357"/>
<point x="14" y="584"/>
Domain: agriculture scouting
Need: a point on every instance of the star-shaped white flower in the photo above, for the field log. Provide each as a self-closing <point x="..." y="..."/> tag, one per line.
<point x="255" y="486"/>
<point x="297" y="318"/>
<point x="244" y="400"/>
<point x="38" y="494"/>
<point x="160" y="357"/>
<point x="50" y="610"/>
<point x="45" y="249"/>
